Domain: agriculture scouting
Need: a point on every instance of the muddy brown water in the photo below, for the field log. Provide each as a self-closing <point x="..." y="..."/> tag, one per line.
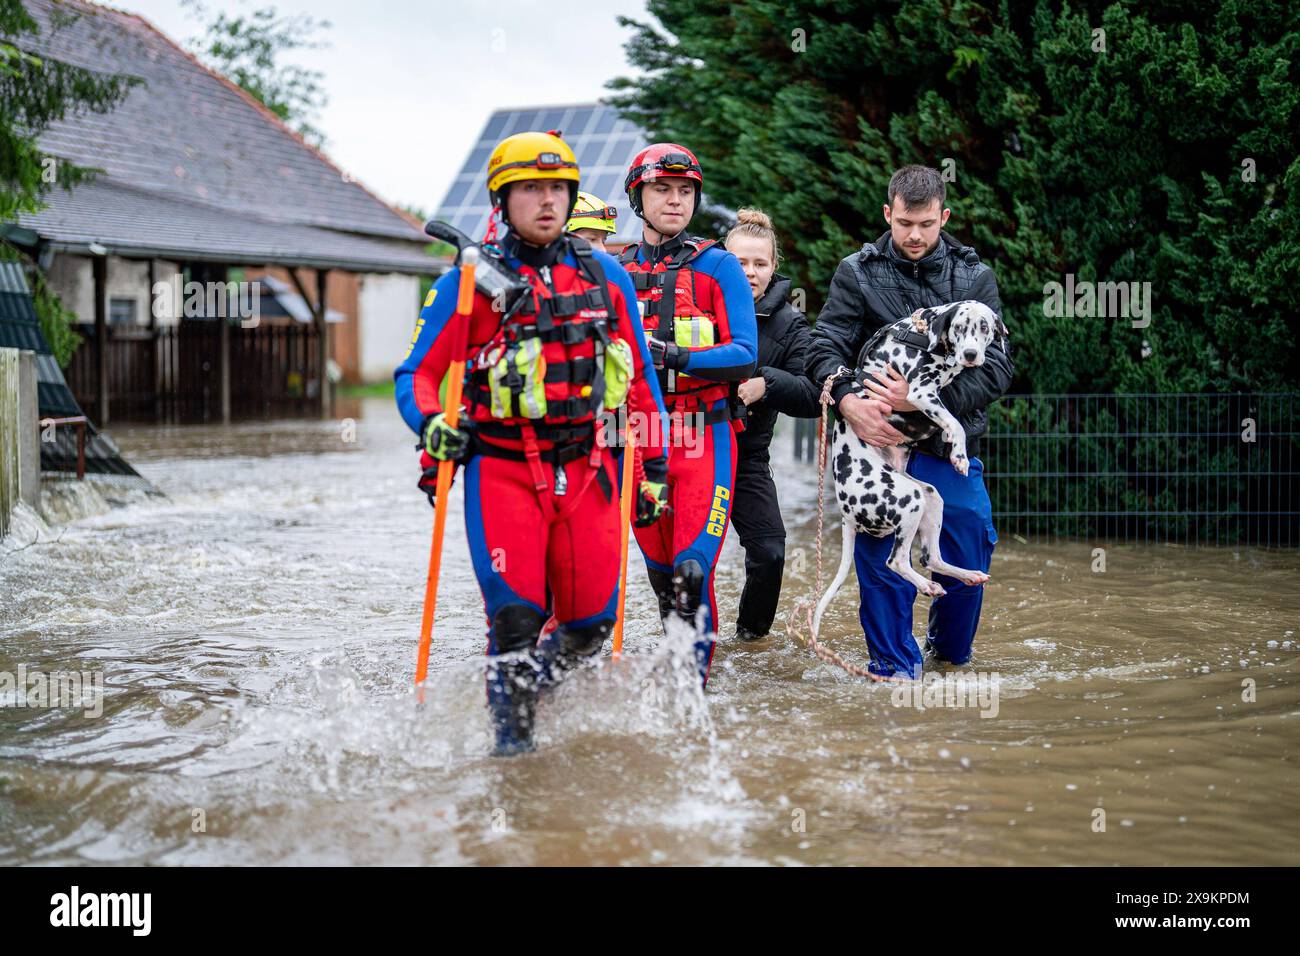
<point x="257" y="630"/>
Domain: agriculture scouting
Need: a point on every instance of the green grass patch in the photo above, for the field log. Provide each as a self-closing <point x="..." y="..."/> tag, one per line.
<point x="376" y="390"/>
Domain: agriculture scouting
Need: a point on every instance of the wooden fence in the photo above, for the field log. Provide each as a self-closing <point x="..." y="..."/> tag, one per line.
<point x="173" y="374"/>
<point x="9" y="419"/>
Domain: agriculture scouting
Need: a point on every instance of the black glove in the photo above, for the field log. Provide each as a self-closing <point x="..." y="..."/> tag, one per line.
<point x="651" y="503"/>
<point x="656" y="469"/>
<point x="652" y="493"/>
<point x="442" y="441"/>
<point x="668" y="354"/>
<point x="428" y="483"/>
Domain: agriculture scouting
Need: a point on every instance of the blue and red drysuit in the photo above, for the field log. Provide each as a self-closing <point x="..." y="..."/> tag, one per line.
<point x="541" y="502"/>
<point x="679" y="282"/>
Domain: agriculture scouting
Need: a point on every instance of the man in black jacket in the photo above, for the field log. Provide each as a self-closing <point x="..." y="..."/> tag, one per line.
<point x="915" y="265"/>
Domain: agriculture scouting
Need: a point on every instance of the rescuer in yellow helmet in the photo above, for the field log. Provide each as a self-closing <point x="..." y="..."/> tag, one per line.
<point x="592" y="219"/>
<point x="553" y="343"/>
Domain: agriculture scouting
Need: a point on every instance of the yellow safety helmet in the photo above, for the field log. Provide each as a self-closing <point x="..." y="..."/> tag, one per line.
<point x="592" y="212"/>
<point x="531" y="155"/>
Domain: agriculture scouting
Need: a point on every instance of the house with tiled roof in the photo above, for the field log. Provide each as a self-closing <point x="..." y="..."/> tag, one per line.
<point x="201" y="183"/>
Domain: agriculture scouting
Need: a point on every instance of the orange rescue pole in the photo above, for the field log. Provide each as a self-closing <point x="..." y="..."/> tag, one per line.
<point x="625" y="510"/>
<point x="451" y="408"/>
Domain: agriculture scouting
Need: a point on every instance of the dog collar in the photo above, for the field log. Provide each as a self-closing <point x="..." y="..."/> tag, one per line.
<point x="920" y="340"/>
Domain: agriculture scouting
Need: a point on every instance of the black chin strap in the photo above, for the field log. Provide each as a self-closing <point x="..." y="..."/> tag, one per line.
<point x="656" y="252"/>
<point x="536" y="256"/>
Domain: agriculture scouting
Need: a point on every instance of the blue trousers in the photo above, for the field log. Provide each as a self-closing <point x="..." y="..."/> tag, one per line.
<point x="967" y="541"/>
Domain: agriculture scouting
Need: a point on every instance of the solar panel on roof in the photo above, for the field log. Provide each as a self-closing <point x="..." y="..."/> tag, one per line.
<point x="494" y="127"/>
<point x="605" y="184"/>
<point x="603" y="142"/>
<point x="459" y="192"/>
<point x="478" y="158"/>
<point x="582" y="122"/>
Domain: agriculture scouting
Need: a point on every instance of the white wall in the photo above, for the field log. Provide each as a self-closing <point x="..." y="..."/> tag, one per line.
<point x="387" y="305"/>
<point x="127" y="279"/>
<point x="72" y="277"/>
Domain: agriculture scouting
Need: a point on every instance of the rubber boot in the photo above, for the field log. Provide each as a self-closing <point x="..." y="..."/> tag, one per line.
<point x="688" y="593"/>
<point x="662" y="582"/>
<point x="568" y="648"/>
<point x="512" y="681"/>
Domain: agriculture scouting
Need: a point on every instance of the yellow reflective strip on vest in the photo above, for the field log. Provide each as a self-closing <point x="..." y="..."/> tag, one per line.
<point x="527" y="360"/>
<point x="532" y="402"/>
<point x="692" y="331"/>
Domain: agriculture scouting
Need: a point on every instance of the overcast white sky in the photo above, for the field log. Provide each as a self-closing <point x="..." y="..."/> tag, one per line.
<point x="411" y="84"/>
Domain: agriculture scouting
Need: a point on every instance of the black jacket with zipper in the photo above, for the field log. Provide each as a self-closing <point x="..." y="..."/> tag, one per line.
<point x="783" y="337"/>
<point x="877" y="286"/>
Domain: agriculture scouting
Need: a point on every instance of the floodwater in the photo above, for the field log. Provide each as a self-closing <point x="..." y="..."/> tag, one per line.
<point x="256" y="633"/>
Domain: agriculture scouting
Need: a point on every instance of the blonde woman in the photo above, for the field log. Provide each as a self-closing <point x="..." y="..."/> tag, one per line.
<point x="779" y="385"/>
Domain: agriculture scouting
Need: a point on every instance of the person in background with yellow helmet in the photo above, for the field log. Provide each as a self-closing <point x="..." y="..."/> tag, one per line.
<point x="592" y="219"/>
<point x="553" y="343"/>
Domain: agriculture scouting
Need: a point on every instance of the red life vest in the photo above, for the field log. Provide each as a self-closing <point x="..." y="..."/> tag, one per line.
<point x="574" y="320"/>
<point x="667" y="292"/>
<point x="572" y="317"/>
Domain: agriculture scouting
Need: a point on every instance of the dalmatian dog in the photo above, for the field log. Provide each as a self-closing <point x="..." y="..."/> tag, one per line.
<point x="929" y="348"/>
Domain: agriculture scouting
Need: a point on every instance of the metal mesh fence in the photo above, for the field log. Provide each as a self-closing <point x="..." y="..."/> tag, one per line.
<point x="1182" y="468"/>
<point x="1185" y="468"/>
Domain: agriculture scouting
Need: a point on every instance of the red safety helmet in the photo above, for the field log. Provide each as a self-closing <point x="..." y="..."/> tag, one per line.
<point x="657" y="162"/>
